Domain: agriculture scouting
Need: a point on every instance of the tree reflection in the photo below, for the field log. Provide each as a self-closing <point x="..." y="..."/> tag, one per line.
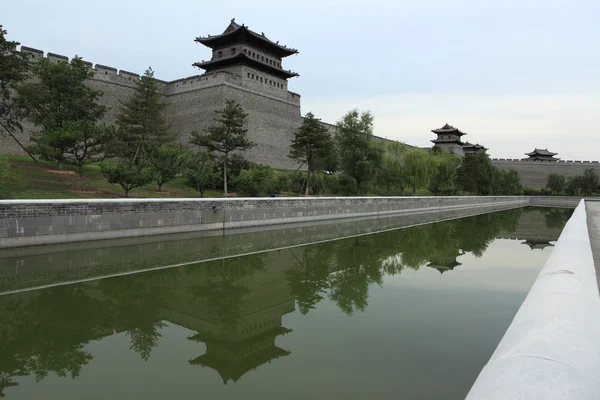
<point x="234" y="305"/>
<point x="345" y="269"/>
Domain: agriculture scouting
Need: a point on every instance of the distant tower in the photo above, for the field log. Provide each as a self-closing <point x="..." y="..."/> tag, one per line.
<point x="249" y="55"/>
<point x="469" y="148"/>
<point x="541" y="155"/>
<point x="449" y="138"/>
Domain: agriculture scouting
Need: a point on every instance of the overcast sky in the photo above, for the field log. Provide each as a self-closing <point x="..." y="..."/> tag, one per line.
<point x="513" y="74"/>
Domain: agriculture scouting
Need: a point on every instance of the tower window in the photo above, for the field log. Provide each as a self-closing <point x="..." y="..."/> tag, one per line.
<point x="233" y="51"/>
<point x="220" y="54"/>
<point x="263" y="58"/>
<point x="248" y="74"/>
<point x="244" y="51"/>
<point x="261" y="79"/>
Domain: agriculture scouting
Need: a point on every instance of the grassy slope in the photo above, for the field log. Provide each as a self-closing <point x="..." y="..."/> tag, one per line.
<point x="25" y="179"/>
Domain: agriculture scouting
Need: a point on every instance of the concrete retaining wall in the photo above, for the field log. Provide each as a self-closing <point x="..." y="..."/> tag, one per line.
<point x="36" y="222"/>
<point x="555" y="201"/>
<point x="551" y="349"/>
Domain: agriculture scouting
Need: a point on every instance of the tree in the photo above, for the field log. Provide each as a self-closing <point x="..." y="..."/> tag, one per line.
<point x="127" y="174"/>
<point x="226" y="136"/>
<point x="360" y="156"/>
<point x="556" y="183"/>
<point x="165" y="163"/>
<point x="573" y="185"/>
<point x="419" y="167"/>
<point x="507" y="183"/>
<point x="58" y="98"/>
<point x="85" y="143"/>
<point x="476" y="174"/>
<point x="198" y="171"/>
<point x="443" y="176"/>
<point x="390" y="174"/>
<point x="14" y="70"/>
<point x="312" y="143"/>
<point x="589" y="182"/>
<point x="142" y="127"/>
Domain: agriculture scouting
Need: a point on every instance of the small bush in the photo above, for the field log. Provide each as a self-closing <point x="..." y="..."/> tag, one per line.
<point x="255" y="180"/>
<point x="347" y="185"/>
<point x="278" y="184"/>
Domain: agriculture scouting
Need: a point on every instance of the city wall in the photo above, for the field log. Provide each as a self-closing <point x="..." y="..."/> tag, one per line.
<point x="274" y="112"/>
<point x="37" y="222"/>
<point x="535" y="174"/>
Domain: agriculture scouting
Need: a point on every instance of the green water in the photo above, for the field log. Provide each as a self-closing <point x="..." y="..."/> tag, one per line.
<point x="411" y="313"/>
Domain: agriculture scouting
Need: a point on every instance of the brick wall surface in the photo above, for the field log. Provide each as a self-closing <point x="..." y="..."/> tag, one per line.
<point x="43" y="222"/>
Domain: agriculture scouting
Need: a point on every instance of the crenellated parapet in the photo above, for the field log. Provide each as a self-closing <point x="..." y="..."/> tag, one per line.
<point x="544" y="163"/>
<point x="535" y="174"/>
<point x="102" y="73"/>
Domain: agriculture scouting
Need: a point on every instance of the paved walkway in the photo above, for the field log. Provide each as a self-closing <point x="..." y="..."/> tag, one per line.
<point x="593" y="222"/>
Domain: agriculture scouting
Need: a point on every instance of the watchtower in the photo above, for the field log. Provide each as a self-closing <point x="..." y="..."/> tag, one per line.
<point x="249" y="55"/>
<point x="449" y="138"/>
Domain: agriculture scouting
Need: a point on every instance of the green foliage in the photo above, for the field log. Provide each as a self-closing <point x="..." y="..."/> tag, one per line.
<point x="556" y="183"/>
<point x="165" y="163"/>
<point x="589" y="182"/>
<point x="419" y="167"/>
<point x="443" y="176"/>
<point x="57" y="100"/>
<point x="237" y="163"/>
<point x="391" y="174"/>
<point x="312" y="145"/>
<point x="573" y="185"/>
<point x="142" y="127"/>
<point x="198" y="171"/>
<point x="476" y="174"/>
<point x="86" y="143"/>
<point x="360" y="156"/>
<point x="507" y="183"/>
<point x="14" y="70"/>
<point x="226" y="136"/>
<point x="346" y="184"/>
<point x="255" y="180"/>
<point x="127" y="174"/>
<point x="278" y="184"/>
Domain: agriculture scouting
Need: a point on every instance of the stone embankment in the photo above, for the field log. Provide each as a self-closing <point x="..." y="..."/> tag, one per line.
<point x="552" y="347"/>
<point x="38" y="222"/>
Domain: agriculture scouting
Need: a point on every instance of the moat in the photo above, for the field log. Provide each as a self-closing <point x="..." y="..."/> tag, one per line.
<point x="408" y="313"/>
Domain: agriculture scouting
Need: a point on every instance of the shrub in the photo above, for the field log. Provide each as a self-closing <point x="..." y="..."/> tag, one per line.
<point x="278" y="184"/>
<point x="255" y="180"/>
<point x="347" y="185"/>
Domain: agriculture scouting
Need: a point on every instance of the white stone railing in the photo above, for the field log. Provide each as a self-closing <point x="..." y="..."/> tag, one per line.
<point x="552" y="348"/>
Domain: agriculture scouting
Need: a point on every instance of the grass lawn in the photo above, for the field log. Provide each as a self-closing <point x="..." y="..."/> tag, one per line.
<point x="26" y="179"/>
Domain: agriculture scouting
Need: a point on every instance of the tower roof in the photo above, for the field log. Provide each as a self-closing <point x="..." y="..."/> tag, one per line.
<point x="240" y="33"/>
<point x="542" y="155"/>
<point x="541" y="152"/>
<point x="448" y="129"/>
<point x="243" y="58"/>
<point x="471" y="146"/>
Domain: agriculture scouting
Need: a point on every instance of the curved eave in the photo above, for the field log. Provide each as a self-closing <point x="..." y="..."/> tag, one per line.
<point x="242" y="58"/>
<point x="447" y="141"/>
<point x="535" y="154"/>
<point x="238" y="34"/>
<point x="447" y="132"/>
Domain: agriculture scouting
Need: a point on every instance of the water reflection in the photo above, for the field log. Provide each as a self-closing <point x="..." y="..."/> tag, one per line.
<point x="235" y="307"/>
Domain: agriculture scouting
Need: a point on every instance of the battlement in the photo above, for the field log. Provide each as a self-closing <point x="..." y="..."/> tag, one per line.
<point x="545" y="163"/>
<point x="101" y="72"/>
